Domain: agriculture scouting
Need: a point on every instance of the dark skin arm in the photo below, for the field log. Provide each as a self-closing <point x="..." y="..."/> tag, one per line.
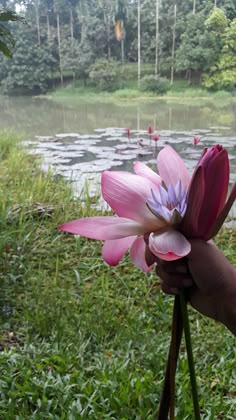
<point x="209" y="277"/>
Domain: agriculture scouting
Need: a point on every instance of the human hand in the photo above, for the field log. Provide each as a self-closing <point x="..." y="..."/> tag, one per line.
<point x="210" y="279"/>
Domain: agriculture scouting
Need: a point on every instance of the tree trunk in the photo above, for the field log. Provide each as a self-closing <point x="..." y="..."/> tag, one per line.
<point x="194" y="7"/>
<point x="108" y="36"/>
<point x="122" y="51"/>
<point x="200" y="79"/>
<point x="59" y="48"/>
<point x="48" y="27"/>
<point x="157" y="39"/>
<point x="71" y="25"/>
<point x="173" y="48"/>
<point x="139" y="44"/>
<point x="189" y="76"/>
<point x="37" y="20"/>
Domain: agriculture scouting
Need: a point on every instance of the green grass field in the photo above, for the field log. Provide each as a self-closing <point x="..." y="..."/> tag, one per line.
<point x="79" y="339"/>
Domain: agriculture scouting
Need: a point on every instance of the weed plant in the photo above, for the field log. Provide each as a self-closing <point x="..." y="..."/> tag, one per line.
<point x="79" y="339"/>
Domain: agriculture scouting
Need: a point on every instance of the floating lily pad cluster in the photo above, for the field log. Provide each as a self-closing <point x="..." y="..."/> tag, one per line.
<point x="83" y="157"/>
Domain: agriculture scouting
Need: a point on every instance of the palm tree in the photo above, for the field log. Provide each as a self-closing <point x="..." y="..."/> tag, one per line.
<point x="157" y="39"/>
<point x="173" y="47"/>
<point x="108" y="7"/>
<point x="120" y="17"/>
<point x="139" y="42"/>
<point x="58" y="6"/>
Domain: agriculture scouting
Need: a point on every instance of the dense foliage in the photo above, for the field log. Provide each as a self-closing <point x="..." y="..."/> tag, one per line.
<point x="159" y="85"/>
<point x="223" y="73"/>
<point x="68" y="36"/>
<point x="105" y="74"/>
<point x="6" y="39"/>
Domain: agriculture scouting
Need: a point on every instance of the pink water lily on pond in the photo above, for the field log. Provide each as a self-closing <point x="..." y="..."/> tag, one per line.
<point x="196" y="140"/>
<point x="143" y="207"/>
<point x="128" y="132"/>
<point x="155" y="137"/>
<point x="150" y="130"/>
<point x="164" y="209"/>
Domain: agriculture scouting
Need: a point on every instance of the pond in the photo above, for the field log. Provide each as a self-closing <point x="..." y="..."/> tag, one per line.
<point x="80" y="139"/>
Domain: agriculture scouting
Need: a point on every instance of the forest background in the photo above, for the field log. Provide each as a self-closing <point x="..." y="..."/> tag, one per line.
<point x="113" y="44"/>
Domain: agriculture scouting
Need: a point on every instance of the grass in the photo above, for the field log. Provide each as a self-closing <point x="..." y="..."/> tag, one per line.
<point x="80" y="339"/>
<point x="180" y="90"/>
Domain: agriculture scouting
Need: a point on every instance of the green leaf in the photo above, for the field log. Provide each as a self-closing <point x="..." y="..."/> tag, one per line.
<point x="10" y="16"/>
<point x="5" y="50"/>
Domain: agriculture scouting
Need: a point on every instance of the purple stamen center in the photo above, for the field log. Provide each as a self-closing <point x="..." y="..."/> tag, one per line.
<point x="169" y="203"/>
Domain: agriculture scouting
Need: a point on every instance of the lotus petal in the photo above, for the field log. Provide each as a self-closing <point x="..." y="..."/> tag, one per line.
<point x="222" y="216"/>
<point x="114" y="250"/>
<point x="127" y="195"/>
<point x="146" y="172"/>
<point x="137" y="255"/>
<point x="172" y="168"/>
<point x="195" y="199"/>
<point x="169" y="245"/>
<point x="103" y="227"/>
<point x="216" y="176"/>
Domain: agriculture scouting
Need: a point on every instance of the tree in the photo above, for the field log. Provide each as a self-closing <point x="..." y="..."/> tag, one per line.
<point x="29" y="69"/>
<point x="157" y="39"/>
<point x="139" y="42"/>
<point x="7" y="41"/>
<point x="75" y="33"/>
<point x="201" y="42"/>
<point x="46" y="9"/>
<point x="77" y="57"/>
<point x="105" y="74"/>
<point x="59" y="8"/>
<point x="108" y="10"/>
<point x="173" y="46"/>
<point x="223" y="73"/>
<point x="120" y="20"/>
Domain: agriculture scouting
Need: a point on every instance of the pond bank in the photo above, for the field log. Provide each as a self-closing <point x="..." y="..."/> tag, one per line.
<point x="78" y="337"/>
<point x="178" y="92"/>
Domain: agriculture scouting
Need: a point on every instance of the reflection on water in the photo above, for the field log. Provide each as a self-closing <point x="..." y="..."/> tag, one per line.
<point x="36" y="116"/>
<point x="75" y="140"/>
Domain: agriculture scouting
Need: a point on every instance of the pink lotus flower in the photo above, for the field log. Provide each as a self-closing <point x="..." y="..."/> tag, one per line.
<point x="207" y="206"/>
<point x="196" y="140"/>
<point x="166" y="209"/>
<point x="128" y="132"/>
<point x="143" y="208"/>
<point x="150" y="130"/>
<point x="155" y="137"/>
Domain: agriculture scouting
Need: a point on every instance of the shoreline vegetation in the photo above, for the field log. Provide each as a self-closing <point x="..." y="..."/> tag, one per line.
<point x="80" y="339"/>
<point x="180" y="91"/>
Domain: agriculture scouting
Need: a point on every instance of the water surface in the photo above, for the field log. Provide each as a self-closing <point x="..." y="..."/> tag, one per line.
<point x="80" y="139"/>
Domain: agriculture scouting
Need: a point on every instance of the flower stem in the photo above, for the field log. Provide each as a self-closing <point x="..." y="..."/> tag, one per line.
<point x="167" y="396"/>
<point x="184" y="311"/>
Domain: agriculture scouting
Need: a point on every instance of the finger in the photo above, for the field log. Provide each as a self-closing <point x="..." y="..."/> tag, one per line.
<point x="174" y="280"/>
<point x="169" y="290"/>
<point x="173" y="267"/>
